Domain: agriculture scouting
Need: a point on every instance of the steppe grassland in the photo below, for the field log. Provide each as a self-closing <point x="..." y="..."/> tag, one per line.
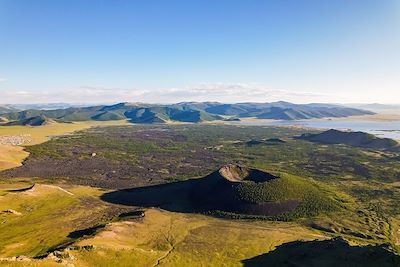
<point x="172" y="239"/>
<point x="42" y="217"/>
<point x="11" y="156"/>
<point x="131" y="243"/>
<point x="38" y="219"/>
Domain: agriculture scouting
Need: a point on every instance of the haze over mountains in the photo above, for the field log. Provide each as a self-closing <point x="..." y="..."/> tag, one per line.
<point x="7" y="108"/>
<point x="181" y="112"/>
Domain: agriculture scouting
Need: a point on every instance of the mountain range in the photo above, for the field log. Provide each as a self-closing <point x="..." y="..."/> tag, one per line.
<point x="182" y="112"/>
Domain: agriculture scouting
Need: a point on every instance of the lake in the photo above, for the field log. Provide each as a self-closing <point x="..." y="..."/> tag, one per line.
<point x="389" y="129"/>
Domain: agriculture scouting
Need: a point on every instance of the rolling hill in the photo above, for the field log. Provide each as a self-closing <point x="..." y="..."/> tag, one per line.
<point x="187" y="112"/>
<point x="357" y="139"/>
<point x="32" y="121"/>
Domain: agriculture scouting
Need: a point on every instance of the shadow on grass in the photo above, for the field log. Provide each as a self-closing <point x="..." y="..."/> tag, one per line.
<point x="172" y="196"/>
<point x="86" y="232"/>
<point x="335" y="252"/>
<point x="20" y="189"/>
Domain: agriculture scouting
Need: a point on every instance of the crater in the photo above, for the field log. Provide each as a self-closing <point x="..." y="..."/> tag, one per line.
<point x="236" y="173"/>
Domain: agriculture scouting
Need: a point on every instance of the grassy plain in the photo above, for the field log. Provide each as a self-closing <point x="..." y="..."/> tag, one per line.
<point x="11" y="156"/>
<point x="40" y="134"/>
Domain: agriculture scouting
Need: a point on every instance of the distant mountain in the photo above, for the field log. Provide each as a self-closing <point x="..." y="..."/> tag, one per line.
<point x="285" y="110"/>
<point x="188" y="112"/>
<point x="376" y="106"/>
<point x="47" y="106"/>
<point x="136" y="113"/>
<point x="379" y="108"/>
<point x="7" y="108"/>
<point x="357" y="139"/>
<point x="33" y="121"/>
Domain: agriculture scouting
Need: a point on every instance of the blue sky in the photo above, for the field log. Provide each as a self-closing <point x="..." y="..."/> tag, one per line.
<point x="224" y="50"/>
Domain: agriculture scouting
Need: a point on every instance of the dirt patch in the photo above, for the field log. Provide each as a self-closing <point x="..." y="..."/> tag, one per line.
<point x="10" y="211"/>
<point x="15" y="140"/>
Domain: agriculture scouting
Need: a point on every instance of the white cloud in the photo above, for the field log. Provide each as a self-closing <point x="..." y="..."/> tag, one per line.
<point x="2" y="79"/>
<point x="85" y="94"/>
<point x="222" y="92"/>
<point x="241" y="92"/>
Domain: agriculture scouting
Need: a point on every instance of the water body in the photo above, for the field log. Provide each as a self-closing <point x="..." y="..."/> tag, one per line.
<point x="388" y="129"/>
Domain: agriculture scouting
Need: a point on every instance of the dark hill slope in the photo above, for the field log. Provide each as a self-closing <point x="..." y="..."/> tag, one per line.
<point x="357" y="139"/>
<point x="108" y="116"/>
<point x="33" y="121"/>
<point x="327" y="253"/>
<point x="164" y="114"/>
<point x="227" y="109"/>
<point x="235" y="191"/>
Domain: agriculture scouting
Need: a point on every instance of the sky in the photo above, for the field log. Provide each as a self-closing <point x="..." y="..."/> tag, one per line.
<point x="96" y="51"/>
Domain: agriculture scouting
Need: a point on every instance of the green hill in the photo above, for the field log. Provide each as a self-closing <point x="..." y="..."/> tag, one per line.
<point x="33" y="121"/>
<point x="108" y="116"/>
<point x="357" y="139"/>
<point x="239" y="190"/>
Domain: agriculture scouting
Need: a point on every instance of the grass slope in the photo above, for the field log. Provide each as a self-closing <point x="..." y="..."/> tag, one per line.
<point x="172" y="239"/>
<point x="11" y="156"/>
<point x="34" y="221"/>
